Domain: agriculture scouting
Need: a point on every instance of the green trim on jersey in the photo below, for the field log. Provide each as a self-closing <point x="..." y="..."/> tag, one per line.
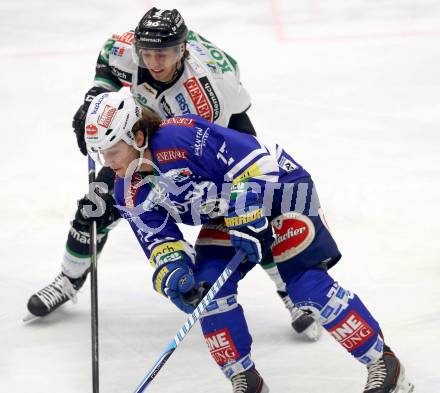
<point x="223" y="60"/>
<point x="268" y="266"/>
<point x="105" y="51"/>
<point x="108" y="82"/>
<point x="75" y="254"/>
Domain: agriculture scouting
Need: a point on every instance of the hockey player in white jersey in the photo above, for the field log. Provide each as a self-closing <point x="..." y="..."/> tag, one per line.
<point x="171" y="71"/>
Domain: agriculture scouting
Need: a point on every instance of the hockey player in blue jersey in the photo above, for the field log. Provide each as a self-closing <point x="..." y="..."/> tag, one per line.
<point x="172" y="71"/>
<point x="247" y="197"/>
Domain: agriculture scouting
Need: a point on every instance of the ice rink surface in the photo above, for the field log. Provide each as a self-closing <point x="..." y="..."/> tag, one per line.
<point x="350" y="88"/>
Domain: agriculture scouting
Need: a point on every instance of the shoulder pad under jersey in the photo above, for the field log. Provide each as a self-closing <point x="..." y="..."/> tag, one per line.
<point x="117" y="54"/>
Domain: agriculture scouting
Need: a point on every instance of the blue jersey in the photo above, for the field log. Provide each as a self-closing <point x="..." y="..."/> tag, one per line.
<point x="195" y="165"/>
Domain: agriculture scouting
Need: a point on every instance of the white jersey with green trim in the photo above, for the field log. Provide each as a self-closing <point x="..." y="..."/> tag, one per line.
<point x="209" y="85"/>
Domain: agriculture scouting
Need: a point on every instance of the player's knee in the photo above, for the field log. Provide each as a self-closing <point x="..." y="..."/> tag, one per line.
<point x="309" y="289"/>
<point x="209" y="270"/>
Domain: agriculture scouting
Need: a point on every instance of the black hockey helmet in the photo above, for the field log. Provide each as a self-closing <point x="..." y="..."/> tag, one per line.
<point x="160" y="29"/>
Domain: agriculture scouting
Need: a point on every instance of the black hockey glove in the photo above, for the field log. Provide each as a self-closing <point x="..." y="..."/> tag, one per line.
<point x="193" y="297"/>
<point x="102" y="210"/>
<point x="79" y="119"/>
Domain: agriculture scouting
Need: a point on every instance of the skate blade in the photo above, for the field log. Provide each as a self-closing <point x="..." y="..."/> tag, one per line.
<point x="313" y="332"/>
<point x="30" y="317"/>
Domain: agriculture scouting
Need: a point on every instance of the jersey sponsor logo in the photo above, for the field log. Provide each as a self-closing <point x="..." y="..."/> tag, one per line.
<point x="244" y="219"/>
<point x="166" y="107"/>
<point x="178" y="121"/>
<point x="164" y="249"/>
<point x="121" y="74"/>
<point x="118" y="51"/>
<point x="91" y="132"/>
<point x="212" y="97"/>
<point x="218" y="56"/>
<point x="200" y="141"/>
<point x="294" y="233"/>
<point x="130" y="195"/>
<point x="352" y="332"/>
<point x="126" y="38"/>
<point x="171" y="155"/>
<point x="198" y="97"/>
<point x="183" y="105"/>
<point x="178" y="175"/>
<point x="214" y="235"/>
<point x="84" y="237"/>
<point x="222" y="346"/>
<point x="106" y="117"/>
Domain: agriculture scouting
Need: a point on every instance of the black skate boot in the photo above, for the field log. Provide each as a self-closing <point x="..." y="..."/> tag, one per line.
<point x="387" y="375"/>
<point x="55" y="294"/>
<point x="249" y="381"/>
<point x="302" y="321"/>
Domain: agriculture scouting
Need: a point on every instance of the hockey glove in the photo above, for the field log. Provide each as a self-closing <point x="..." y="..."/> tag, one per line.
<point x="79" y="119"/>
<point x="249" y="229"/>
<point x="176" y="281"/>
<point x="104" y="211"/>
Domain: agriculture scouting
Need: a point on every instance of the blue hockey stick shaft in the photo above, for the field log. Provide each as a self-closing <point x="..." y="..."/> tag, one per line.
<point x="192" y="319"/>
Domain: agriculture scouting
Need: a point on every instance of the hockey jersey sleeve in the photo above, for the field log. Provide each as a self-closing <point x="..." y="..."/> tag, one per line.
<point x="115" y="65"/>
<point x="154" y="227"/>
<point x="216" y="152"/>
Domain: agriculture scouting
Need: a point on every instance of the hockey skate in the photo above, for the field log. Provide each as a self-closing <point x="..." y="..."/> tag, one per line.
<point x="387" y="375"/>
<point x="302" y="321"/>
<point x="249" y="381"/>
<point x="58" y="292"/>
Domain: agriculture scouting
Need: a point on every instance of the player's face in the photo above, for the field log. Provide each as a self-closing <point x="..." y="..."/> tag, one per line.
<point x="119" y="157"/>
<point x="162" y="63"/>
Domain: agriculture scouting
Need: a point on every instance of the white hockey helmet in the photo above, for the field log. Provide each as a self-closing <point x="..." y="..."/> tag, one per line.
<point x="110" y="118"/>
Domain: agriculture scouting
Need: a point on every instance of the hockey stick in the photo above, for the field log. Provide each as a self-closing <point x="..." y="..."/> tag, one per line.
<point x="94" y="285"/>
<point x="192" y="319"/>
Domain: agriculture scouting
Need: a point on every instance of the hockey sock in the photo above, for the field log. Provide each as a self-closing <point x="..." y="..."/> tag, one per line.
<point x="227" y="335"/>
<point x="340" y="312"/>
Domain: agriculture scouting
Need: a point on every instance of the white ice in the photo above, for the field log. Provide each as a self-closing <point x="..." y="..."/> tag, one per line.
<point x="351" y="89"/>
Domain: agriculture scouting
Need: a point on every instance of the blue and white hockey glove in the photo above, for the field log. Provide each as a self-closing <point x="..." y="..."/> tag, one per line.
<point x="176" y="281"/>
<point x="249" y="229"/>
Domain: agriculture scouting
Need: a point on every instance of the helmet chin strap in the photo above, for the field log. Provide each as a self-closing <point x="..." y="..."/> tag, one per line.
<point x="141" y="151"/>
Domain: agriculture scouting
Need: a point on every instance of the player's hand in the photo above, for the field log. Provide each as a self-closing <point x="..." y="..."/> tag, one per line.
<point x="254" y="239"/>
<point x="103" y="208"/>
<point x="249" y="229"/>
<point x="79" y="119"/>
<point x="176" y="281"/>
